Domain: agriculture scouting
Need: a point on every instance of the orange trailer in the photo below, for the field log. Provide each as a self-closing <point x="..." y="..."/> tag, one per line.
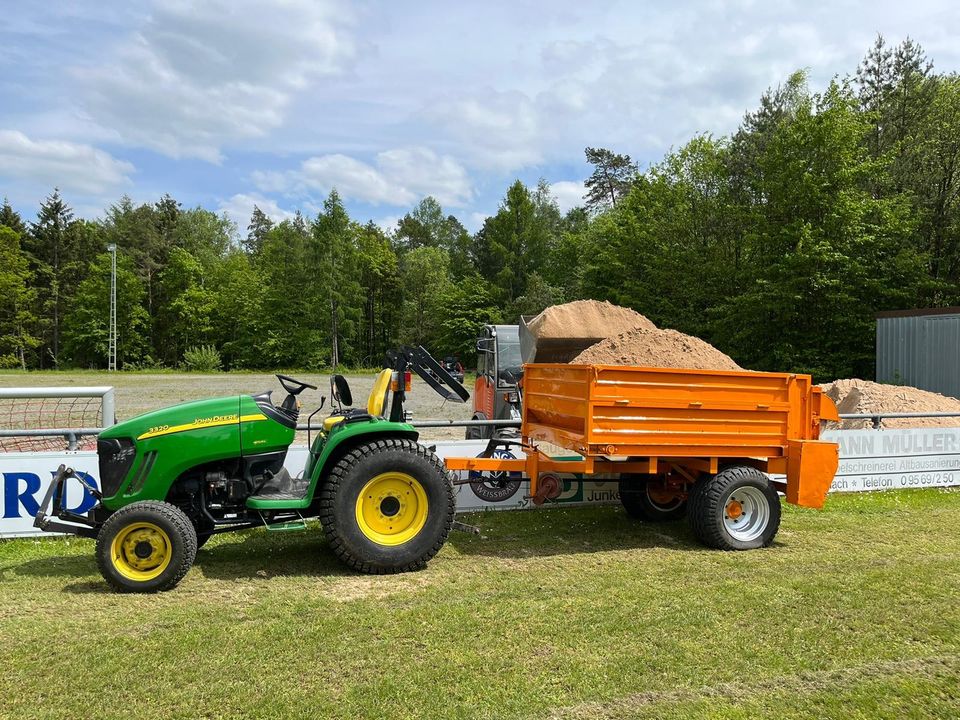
<point x="697" y="442"/>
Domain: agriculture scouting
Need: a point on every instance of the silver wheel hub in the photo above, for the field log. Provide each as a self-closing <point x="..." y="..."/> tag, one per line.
<point x="746" y="514"/>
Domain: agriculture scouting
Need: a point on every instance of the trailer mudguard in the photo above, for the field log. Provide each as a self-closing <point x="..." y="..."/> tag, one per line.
<point x="811" y="465"/>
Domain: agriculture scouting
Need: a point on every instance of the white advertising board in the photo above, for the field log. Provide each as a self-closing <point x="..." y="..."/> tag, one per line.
<point x="896" y="459"/>
<point x="869" y="460"/>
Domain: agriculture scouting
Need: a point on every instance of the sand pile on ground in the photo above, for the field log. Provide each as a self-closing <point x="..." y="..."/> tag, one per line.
<point x="653" y="347"/>
<point x="854" y="396"/>
<point x="561" y="332"/>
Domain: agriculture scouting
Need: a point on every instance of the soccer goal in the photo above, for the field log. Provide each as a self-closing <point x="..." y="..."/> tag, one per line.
<point x="54" y="418"/>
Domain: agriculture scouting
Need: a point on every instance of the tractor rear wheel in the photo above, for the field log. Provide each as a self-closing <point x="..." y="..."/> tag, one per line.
<point x="387" y="506"/>
<point x="736" y="509"/>
<point x="146" y="547"/>
<point x="646" y="501"/>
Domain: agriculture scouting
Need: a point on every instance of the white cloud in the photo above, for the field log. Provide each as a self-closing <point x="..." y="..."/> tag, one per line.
<point x="352" y="178"/>
<point x="388" y="223"/>
<point x="239" y="208"/>
<point x="197" y="76"/>
<point x="569" y="194"/>
<point x="401" y="176"/>
<point x="70" y="166"/>
<point x="497" y="130"/>
<point x="475" y="220"/>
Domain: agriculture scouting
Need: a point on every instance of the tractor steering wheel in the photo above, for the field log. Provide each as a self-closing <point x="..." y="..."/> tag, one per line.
<point x="292" y="386"/>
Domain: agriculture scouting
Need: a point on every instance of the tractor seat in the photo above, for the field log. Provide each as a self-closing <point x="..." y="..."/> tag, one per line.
<point x="376" y="403"/>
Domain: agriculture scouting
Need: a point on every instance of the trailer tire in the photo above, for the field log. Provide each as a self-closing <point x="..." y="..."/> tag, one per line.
<point x="736" y="509"/>
<point x="387" y="506"/>
<point x="638" y="504"/>
<point x="146" y="547"/>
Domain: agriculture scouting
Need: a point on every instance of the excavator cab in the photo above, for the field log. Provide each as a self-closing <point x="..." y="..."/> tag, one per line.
<point x="496" y="394"/>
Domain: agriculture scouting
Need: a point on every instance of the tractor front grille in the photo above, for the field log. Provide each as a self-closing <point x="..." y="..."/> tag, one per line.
<point x="116" y="456"/>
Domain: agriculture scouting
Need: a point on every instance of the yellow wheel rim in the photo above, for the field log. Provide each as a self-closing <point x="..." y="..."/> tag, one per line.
<point x="392" y="508"/>
<point x="141" y="551"/>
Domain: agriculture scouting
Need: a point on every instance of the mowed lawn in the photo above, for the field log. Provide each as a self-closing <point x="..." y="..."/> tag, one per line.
<point x="565" y="613"/>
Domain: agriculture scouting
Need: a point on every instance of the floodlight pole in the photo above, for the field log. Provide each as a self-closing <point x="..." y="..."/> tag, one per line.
<point x="112" y="347"/>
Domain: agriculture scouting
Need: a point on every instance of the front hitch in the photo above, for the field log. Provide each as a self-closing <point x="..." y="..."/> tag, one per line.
<point x="77" y="524"/>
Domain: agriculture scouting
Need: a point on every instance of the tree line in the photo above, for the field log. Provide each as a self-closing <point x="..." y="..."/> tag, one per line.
<point x="777" y="243"/>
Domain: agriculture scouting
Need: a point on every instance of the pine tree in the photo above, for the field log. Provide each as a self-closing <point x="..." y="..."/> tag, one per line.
<point x="17" y="302"/>
<point x="48" y="243"/>
<point x="11" y="219"/>
<point x="335" y="263"/>
<point x="611" y="178"/>
<point x="257" y="230"/>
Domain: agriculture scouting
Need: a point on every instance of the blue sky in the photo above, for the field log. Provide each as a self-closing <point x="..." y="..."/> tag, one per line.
<point x="225" y="104"/>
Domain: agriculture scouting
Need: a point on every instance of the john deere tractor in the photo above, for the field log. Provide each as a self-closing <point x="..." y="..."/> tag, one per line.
<point x="171" y="479"/>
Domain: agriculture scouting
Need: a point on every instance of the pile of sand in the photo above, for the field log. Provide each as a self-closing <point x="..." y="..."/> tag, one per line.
<point x="653" y="347"/>
<point x="561" y="332"/>
<point x="853" y="396"/>
<point x="586" y="318"/>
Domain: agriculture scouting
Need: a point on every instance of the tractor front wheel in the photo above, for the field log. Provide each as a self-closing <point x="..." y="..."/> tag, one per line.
<point x="387" y="506"/>
<point x="146" y="547"/>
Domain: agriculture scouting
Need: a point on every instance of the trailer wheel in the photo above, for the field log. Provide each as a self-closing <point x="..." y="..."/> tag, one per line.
<point x="736" y="509"/>
<point x="387" y="506"/>
<point x="643" y="502"/>
<point x="146" y="547"/>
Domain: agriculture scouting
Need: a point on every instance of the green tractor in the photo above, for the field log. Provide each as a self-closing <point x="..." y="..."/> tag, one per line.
<point x="172" y="478"/>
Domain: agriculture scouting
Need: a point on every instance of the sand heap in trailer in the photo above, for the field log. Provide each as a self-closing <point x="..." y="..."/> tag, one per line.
<point x="654" y="347"/>
<point x="600" y="333"/>
<point x="853" y="396"/>
<point x="561" y="332"/>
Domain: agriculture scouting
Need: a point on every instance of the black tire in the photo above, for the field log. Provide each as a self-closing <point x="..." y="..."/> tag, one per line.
<point x="173" y="537"/>
<point x="713" y="495"/>
<point x="339" y="502"/>
<point x="478" y="432"/>
<point x="636" y="500"/>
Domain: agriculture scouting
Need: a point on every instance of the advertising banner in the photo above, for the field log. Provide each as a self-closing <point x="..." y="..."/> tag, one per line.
<point x="896" y="459"/>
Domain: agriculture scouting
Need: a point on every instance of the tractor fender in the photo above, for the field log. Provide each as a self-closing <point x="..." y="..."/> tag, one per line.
<point x="344" y="439"/>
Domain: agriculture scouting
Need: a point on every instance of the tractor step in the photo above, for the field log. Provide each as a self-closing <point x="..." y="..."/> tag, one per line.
<point x="289" y="526"/>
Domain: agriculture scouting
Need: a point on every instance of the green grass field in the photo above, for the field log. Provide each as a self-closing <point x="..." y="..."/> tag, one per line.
<point x="562" y="613"/>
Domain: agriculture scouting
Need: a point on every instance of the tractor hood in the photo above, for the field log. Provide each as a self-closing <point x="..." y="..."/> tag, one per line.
<point x="164" y="444"/>
<point x="186" y="417"/>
